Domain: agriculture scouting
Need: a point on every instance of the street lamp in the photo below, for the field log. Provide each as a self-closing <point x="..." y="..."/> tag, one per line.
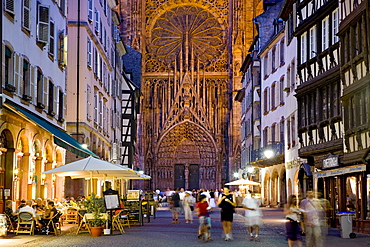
<point x="236" y="174"/>
<point x="268" y="153"/>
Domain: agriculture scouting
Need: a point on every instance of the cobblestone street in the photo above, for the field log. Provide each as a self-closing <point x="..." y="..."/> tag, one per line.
<point x="161" y="232"/>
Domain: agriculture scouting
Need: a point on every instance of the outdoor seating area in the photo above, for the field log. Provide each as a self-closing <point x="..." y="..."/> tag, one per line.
<point x="33" y="217"/>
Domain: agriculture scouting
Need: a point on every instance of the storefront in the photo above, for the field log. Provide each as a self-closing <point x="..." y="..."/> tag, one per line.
<point x="346" y="188"/>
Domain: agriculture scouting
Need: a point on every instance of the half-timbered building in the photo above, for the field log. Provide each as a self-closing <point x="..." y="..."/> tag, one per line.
<point x="355" y="79"/>
<point x="318" y="94"/>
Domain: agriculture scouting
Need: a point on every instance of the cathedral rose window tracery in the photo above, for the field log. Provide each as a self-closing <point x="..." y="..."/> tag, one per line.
<point x="190" y="32"/>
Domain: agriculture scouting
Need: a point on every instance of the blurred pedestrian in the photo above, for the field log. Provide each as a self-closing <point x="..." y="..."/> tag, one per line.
<point x="212" y="202"/>
<point x="227" y="203"/>
<point x="253" y="216"/>
<point x="175" y="206"/>
<point x="312" y="227"/>
<point x="293" y="216"/>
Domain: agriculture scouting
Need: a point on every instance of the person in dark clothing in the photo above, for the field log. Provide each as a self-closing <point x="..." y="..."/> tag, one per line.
<point x="9" y="211"/>
<point x="175" y="206"/>
<point x="227" y="203"/>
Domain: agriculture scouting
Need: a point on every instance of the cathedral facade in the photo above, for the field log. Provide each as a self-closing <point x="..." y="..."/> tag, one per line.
<point x="191" y="53"/>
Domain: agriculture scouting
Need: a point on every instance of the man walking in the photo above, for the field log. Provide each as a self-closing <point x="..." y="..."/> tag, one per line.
<point x="253" y="216"/>
<point x="311" y="210"/>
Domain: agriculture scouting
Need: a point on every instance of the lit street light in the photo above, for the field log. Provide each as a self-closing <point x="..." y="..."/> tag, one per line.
<point x="268" y="153"/>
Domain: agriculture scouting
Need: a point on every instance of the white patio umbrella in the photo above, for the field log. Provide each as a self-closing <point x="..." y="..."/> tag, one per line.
<point x="90" y="168"/>
<point x="242" y="182"/>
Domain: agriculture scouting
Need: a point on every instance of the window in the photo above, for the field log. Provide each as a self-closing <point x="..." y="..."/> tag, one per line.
<point x="9" y="7"/>
<point x="282" y="50"/>
<point x="62" y="6"/>
<point x="265" y="101"/>
<point x="100" y="74"/>
<point x="89" y="55"/>
<point x="97" y="21"/>
<point x="265" y="136"/>
<point x="61" y="56"/>
<point x="335" y="25"/>
<point x="273" y="93"/>
<point x="96" y="100"/>
<point x="325" y="33"/>
<point x="303" y="47"/>
<point x="312" y="40"/>
<point x="288" y="80"/>
<point x="51" y="99"/>
<point x="282" y="130"/>
<point x="9" y="82"/>
<point x="88" y="105"/>
<point x="52" y="39"/>
<point x="293" y="132"/>
<point x="273" y="59"/>
<point x="61" y="106"/>
<point x="43" y="24"/>
<point x="265" y="65"/>
<point x="100" y="110"/>
<point x="292" y="75"/>
<point x="281" y="92"/>
<point x="273" y="133"/>
<point x="39" y="88"/>
<point x="26" y="22"/>
<point x="90" y="10"/>
<point x="26" y="80"/>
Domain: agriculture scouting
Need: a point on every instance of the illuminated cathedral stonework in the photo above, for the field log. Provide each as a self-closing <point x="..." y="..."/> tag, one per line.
<point x="191" y="57"/>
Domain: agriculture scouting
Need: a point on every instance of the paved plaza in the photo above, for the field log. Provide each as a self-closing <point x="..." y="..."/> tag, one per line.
<point x="161" y="232"/>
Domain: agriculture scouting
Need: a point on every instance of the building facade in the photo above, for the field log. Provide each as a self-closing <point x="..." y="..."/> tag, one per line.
<point x="95" y="82"/>
<point x="32" y="119"/>
<point x="320" y="125"/>
<point x="354" y="70"/>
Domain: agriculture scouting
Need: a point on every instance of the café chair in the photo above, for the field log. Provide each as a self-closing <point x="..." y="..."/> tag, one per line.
<point x="116" y="224"/>
<point x="54" y="224"/>
<point x="11" y="225"/>
<point x="71" y="215"/>
<point x="82" y="227"/>
<point x="26" y="224"/>
<point x="123" y="218"/>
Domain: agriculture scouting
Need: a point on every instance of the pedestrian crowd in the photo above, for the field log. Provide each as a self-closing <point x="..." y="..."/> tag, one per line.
<point x="203" y="201"/>
<point x="305" y="217"/>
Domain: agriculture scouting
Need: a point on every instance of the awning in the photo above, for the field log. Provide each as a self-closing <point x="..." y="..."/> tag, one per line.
<point x="307" y="169"/>
<point x="61" y="138"/>
<point x="340" y="171"/>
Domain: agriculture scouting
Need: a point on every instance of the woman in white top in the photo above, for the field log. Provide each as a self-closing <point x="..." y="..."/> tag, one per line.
<point x="293" y="229"/>
<point x="187" y="202"/>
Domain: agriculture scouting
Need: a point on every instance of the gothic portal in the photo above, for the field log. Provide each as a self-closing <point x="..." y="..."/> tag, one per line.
<point x="191" y="59"/>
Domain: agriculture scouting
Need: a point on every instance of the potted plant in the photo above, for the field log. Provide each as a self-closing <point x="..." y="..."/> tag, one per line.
<point x="96" y="206"/>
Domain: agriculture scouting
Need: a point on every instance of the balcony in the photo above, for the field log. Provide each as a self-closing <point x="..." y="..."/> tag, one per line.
<point x="269" y="155"/>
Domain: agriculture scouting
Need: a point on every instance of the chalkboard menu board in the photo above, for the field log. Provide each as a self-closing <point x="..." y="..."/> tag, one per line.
<point x="133" y="210"/>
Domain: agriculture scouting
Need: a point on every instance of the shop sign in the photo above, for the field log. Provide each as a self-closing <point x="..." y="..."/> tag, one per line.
<point x="341" y="171"/>
<point x="330" y="161"/>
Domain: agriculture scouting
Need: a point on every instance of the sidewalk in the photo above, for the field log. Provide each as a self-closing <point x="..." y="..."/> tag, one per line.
<point x="32" y="240"/>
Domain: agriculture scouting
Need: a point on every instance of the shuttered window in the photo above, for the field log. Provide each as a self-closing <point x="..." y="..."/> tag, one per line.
<point x="43" y="24"/>
<point x="26" y="15"/>
<point x="90" y="10"/>
<point x="9" y="6"/>
<point x="89" y="55"/>
<point x="52" y="39"/>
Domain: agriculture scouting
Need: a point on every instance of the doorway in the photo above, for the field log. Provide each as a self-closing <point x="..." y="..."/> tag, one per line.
<point x="179" y="177"/>
<point x="193" y="177"/>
